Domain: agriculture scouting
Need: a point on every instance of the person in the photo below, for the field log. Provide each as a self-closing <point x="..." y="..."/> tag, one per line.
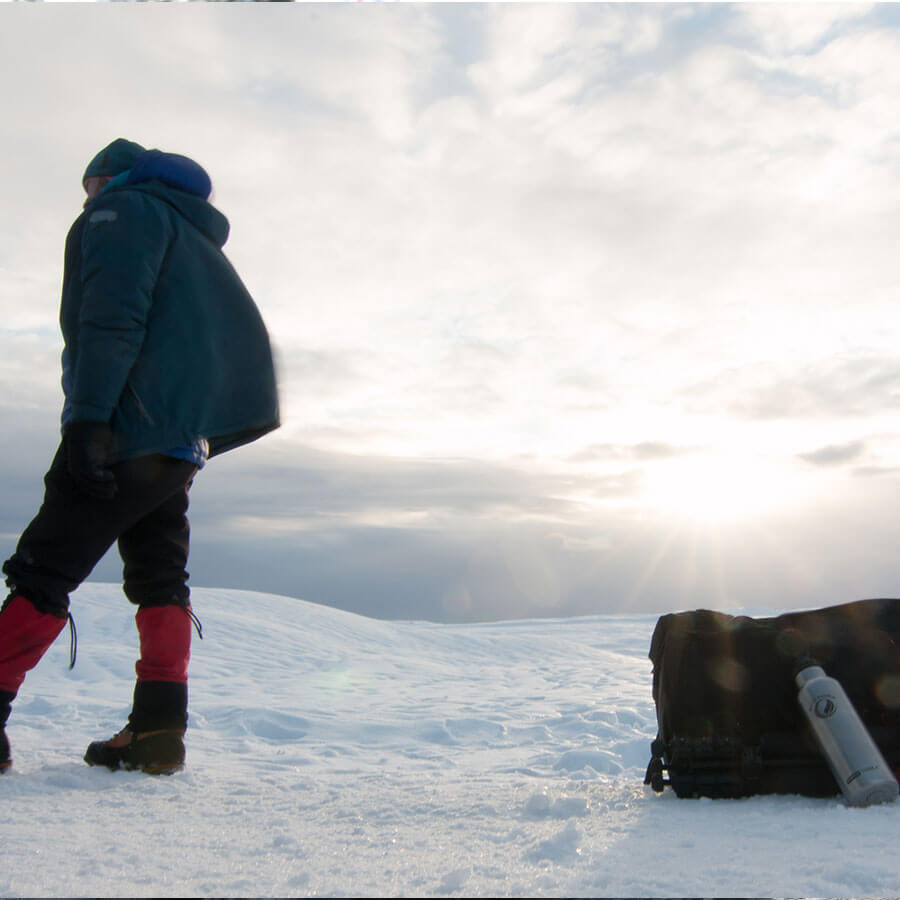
<point x="166" y="363"/>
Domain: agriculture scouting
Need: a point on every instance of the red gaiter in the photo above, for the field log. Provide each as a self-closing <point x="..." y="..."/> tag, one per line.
<point x="165" y="633"/>
<point x="25" y="635"/>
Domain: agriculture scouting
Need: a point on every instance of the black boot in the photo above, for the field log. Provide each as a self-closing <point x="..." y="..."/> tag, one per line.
<point x="154" y="752"/>
<point x="159" y="705"/>
<point x="6" y="699"/>
<point x="153" y="739"/>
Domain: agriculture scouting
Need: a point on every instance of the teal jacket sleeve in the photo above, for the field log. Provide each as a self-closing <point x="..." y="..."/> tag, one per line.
<point x="123" y="246"/>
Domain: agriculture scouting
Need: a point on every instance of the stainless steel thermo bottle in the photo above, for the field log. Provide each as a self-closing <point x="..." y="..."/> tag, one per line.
<point x="855" y="760"/>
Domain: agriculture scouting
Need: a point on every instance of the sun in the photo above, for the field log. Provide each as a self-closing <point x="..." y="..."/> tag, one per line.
<point x="717" y="489"/>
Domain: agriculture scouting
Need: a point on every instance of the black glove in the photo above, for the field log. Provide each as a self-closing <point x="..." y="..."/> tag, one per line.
<point x="88" y="451"/>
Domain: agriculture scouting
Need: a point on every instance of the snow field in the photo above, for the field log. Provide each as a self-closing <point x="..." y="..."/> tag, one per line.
<point x="330" y="754"/>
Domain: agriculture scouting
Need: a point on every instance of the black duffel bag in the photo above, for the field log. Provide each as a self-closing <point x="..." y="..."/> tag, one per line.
<point x="726" y="703"/>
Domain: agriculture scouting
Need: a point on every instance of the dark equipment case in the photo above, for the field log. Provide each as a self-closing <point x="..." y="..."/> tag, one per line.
<point x="726" y="703"/>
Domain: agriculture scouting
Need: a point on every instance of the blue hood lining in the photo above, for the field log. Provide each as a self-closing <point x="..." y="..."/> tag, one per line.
<point x="172" y="169"/>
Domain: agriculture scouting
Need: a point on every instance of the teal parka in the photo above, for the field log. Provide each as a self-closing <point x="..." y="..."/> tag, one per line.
<point x="162" y="339"/>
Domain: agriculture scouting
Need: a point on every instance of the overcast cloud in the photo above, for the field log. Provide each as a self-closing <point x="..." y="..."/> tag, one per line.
<point x="578" y="307"/>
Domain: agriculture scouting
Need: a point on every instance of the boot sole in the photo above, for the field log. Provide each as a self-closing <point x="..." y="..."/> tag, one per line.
<point x="150" y="769"/>
<point x="158" y="770"/>
<point x="159" y="753"/>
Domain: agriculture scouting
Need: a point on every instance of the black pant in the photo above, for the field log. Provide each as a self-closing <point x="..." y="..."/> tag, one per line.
<point x="72" y="531"/>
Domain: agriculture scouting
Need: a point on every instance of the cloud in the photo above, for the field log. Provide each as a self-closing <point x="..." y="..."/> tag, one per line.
<point x="483" y="564"/>
<point x="796" y="27"/>
<point x="302" y="490"/>
<point x="834" y="455"/>
<point x="840" y="387"/>
<point x="644" y="451"/>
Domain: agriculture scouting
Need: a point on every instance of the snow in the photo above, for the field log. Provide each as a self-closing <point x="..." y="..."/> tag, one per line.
<point x="331" y="754"/>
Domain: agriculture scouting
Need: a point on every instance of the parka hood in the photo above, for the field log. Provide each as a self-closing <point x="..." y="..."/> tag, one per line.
<point x="172" y="169"/>
<point x="183" y="184"/>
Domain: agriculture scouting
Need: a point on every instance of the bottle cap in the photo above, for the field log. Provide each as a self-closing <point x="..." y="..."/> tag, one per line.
<point x="805" y="669"/>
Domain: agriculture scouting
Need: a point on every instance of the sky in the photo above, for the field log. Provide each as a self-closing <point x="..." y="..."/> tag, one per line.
<point x="578" y="308"/>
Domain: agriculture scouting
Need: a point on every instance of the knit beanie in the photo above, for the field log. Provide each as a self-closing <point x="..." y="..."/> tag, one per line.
<point x="117" y="157"/>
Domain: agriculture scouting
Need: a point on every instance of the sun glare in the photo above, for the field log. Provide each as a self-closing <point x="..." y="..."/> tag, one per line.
<point x="715" y="490"/>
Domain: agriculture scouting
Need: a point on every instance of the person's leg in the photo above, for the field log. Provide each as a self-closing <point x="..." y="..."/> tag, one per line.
<point x="55" y="552"/>
<point x="153" y="738"/>
<point x="155" y="553"/>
